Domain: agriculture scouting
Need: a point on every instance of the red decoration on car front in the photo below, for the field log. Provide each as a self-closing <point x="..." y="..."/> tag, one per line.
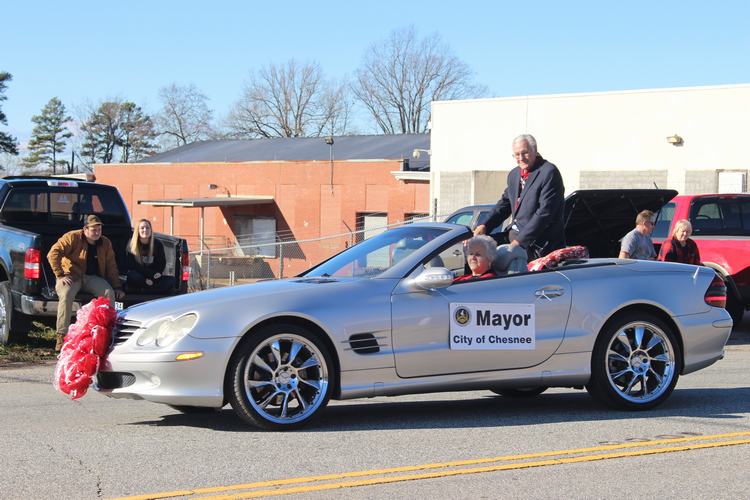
<point x="85" y="347"/>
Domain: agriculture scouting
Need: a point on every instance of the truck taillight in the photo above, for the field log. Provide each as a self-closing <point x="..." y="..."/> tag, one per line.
<point x="716" y="295"/>
<point x="31" y="264"/>
<point x="185" y="266"/>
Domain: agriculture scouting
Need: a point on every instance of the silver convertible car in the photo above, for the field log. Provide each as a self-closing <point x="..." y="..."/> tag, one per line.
<point x="385" y="317"/>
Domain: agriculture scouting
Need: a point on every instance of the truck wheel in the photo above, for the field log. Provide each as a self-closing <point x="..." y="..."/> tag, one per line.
<point x="6" y="311"/>
<point x="14" y="326"/>
<point x="735" y="307"/>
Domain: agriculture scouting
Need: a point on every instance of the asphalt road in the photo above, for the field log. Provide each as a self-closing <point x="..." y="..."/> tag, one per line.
<point x="557" y="445"/>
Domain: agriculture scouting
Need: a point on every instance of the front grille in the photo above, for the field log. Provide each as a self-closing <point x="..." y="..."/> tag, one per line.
<point x="114" y="380"/>
<point x="364" y="343"/>
<point x="124" y="329"/>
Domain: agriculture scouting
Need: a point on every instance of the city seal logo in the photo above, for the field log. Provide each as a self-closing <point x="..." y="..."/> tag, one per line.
<point x="462" y="316"/>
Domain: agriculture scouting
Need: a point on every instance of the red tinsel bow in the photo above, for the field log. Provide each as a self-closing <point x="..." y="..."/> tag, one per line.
<point x="85" y="347"/>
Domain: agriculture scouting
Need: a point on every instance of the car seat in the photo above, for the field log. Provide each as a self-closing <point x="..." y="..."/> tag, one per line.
<point x="509" y="260"/>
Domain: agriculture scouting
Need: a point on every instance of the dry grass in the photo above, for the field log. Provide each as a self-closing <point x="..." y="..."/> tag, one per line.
<point x="38" y="347"/>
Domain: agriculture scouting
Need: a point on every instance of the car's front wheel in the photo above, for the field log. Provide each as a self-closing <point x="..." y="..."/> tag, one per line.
<point x="635" y="363"/>
<point x="280" y="377"/>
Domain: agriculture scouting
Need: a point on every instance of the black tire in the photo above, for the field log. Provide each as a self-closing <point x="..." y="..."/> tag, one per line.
<point x="14" y="326"/>
<point x="634" y="350"/>
<point x="6" y="312"/>
<point x="280" y="377"/>
<point x="524" y="392"/>
<point x="193" y="410"/>
<point x="735" y="307"/>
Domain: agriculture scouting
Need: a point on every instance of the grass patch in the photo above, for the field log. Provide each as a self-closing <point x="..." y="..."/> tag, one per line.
<point x="38" y="347"/>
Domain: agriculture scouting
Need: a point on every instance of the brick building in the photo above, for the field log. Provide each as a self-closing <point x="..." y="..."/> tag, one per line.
<point x="236" y="198"/>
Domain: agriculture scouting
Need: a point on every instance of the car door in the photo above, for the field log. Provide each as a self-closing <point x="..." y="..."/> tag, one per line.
<point x="427" y="339"/>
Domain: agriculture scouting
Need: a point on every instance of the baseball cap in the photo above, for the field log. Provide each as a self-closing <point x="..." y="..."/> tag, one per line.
<point x="93" y="220"/>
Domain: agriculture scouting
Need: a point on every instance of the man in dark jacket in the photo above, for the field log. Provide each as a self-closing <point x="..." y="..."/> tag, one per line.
<point x="535" y="197"/>
<point x="82" y="260"/>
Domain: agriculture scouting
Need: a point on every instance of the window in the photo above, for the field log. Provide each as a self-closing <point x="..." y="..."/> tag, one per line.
<point x="64" y="206"/>
<point x="368" y="226"/>
<point x="256" y="236"/>
<point x="463" y="218"/>
<point x="721" y="216"/>
<point x="663" y="221"/>
<point x="416" y="217"/>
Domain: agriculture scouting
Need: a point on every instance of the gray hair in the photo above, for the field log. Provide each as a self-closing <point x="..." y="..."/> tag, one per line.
<point x="682" y="223"/>
<point x="529" y="139"/>
<point x="486" y="242"/>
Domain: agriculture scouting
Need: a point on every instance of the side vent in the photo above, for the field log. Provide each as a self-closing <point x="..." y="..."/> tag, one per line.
<point x="364" y="343"/>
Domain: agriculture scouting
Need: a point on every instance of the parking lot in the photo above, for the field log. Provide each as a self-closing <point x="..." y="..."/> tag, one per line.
<point x="464" y="445"/>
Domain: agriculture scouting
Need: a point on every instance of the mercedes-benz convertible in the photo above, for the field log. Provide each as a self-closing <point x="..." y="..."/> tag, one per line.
<point x="385" y="317"/>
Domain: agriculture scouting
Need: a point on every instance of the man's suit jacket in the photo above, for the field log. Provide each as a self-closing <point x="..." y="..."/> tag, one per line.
<point x="539" y="214"/>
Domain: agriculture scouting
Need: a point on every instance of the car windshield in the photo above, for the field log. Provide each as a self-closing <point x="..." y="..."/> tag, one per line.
<point x="377" y="254"/>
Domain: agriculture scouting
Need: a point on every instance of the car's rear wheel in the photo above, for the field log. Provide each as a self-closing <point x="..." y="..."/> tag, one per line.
<point x="281" y="377"/>
<point x="635" y="363"/>
<point x="523" y="392"/>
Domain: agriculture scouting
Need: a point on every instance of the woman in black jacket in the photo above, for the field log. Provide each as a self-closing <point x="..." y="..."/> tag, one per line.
<point x="145" y="262"/>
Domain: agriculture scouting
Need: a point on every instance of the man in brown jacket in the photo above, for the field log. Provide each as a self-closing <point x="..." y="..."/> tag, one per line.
<point x="82" y="260"/>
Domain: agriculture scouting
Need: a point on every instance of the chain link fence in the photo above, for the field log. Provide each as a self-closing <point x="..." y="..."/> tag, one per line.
<point x="255" y="258"/>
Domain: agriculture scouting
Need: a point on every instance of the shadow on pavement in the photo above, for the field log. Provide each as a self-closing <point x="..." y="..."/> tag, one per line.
<point x="741" y="332"/>
<point x="485" y="411"/>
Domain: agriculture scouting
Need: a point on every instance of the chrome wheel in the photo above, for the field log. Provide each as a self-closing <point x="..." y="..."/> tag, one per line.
<point x="640" y="362"/>
<point x="636" y="362"/>
<point x="285" y="379"/>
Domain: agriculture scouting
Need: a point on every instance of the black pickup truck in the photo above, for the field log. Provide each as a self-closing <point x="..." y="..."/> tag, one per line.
<point x="34" y="213"/>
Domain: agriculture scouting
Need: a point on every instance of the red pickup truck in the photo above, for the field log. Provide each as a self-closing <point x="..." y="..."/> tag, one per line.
<point x="721" y="229"/>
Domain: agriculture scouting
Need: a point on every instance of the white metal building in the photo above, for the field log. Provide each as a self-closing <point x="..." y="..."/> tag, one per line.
<point x="689" y="139"/>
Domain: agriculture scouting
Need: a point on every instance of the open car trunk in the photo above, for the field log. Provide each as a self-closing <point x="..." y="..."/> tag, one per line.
<point x="599" y="218"/>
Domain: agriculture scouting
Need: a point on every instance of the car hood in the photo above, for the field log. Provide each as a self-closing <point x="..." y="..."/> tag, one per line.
<point x="243" y="303"/>
<point x="599" y="218"/>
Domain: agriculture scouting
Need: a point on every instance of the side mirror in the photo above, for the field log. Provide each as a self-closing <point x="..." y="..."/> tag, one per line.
<point x="434" y="277"/>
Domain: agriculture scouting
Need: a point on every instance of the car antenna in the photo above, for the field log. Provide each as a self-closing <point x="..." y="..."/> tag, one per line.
<point x="656" y="185"/>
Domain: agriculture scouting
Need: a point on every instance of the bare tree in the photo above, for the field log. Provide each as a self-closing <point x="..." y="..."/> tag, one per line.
<point x="402" y="75"/>
<point x="291" y="100"/>
<point x="184" y="116"/>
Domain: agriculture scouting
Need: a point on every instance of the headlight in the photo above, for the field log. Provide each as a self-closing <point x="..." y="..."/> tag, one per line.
<point x="167" y="331"/>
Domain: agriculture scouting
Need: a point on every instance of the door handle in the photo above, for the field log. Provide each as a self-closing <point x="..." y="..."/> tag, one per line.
<point x="457" y="253"/>
<point x="549" y="293"/>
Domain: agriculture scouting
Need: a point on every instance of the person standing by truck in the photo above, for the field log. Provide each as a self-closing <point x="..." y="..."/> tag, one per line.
<point x="680" y="247"/>
<point x="82" y="260"/>
<point x="637" y="244"/>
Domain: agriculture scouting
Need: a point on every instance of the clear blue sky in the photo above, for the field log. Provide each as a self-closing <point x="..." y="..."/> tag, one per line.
<point x="87" y="51"/>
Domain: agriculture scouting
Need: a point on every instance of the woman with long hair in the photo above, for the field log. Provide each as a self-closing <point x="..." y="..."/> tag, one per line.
<point x="145" y="261"/>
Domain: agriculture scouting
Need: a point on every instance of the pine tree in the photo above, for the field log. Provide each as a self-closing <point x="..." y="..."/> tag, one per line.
<point x="7" y="141"/>
<point x="49" y="135"/>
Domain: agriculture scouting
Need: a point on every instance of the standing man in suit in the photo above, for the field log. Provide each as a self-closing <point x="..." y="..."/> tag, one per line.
<point x="535" y="198"/>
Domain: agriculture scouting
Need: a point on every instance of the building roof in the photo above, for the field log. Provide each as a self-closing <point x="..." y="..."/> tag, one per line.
<point x="349" y="147"/>
<point x="217" y="201"/>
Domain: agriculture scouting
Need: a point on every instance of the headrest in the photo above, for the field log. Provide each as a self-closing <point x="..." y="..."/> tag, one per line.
<point x="509" y="260"/>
